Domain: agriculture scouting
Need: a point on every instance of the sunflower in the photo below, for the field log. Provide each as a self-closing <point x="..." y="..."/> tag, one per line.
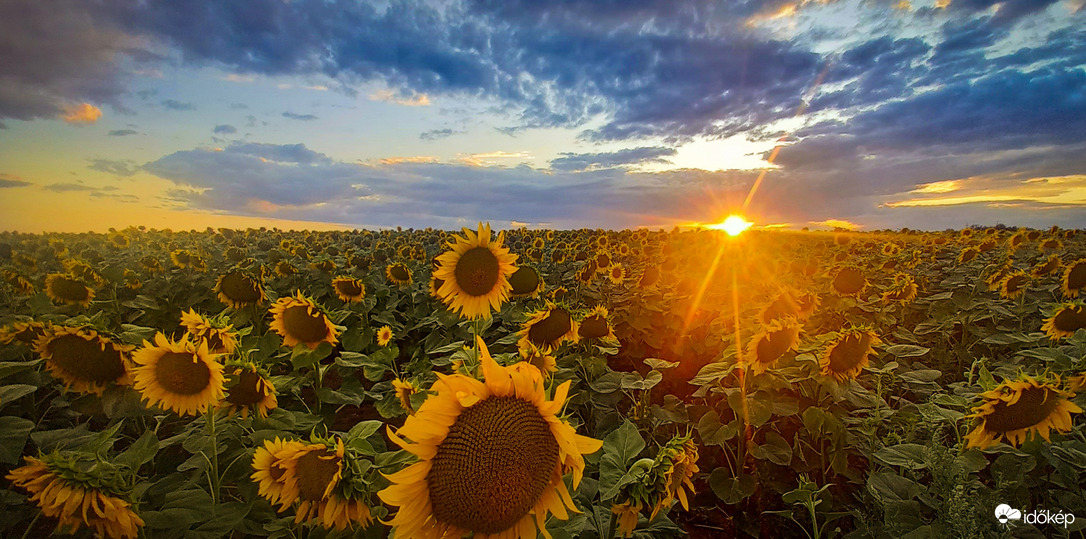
<point x="299" y="320"/>
<point x="587" y="273"/>
<point x="239" y="289"/>
<point x="767" y="346"/>
<point x="491" y="457"/>
<point x="1013" y="286"/>
<point x="557" y="294"/>
<point x="1050" y="265"/>
<point x="902" y="291"/>
<point x="181" y="376"/>
<point x="1016" y="408"/>
<point x="476" y="273"/>
<point x="404" y="389"/>
<point x="846" y="356"/>
<point x="248" y="387"/>
<point x="968" y="254"/>
<point x="152" y="265"/>
<point x="131" y="280"/>
<point x="84" y="360"/>
<point x="616" y="273"/>
<point x="285" y="269"/>
<point x="1051" y="244"/>
<point x="603" y="261"/>
<point x="594" y="325"/>
<point x="68" y="290"/>
<point x="384" y="336"/>
<point x="849" y="282"/>
<point x="546" y="363"/>
<point x="548" y="328"/>
<point x="19" y="282"/>
<point x="1074" y="278"/>
<point x="267" y="472"/>
<point x="435" y="285"/>
<point x="24" y="332"/>
<point x="398" y="274"/>
<point x="64" y="492"/>
<point x="525" y="282"/>
<point x="312" y="477"/>
<point x="181" y="258"/>
<point x="220" y="336"/>
<point x="349" y="289"/>
<point x="1065" y="321"/>
<point x="627" y="514"/>
<point x="788" y="304"/>
<point x="996" y="277"/>
<point x="683" y="455"/>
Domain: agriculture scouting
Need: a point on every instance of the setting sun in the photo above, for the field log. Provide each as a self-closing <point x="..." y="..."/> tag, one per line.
<point x="734" y="225"/>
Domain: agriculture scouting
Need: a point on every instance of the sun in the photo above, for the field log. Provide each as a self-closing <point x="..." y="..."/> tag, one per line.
<point x="734" y="225"/>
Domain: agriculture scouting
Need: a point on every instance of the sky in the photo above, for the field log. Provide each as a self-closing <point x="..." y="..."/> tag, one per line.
<point x="326" y="114"/>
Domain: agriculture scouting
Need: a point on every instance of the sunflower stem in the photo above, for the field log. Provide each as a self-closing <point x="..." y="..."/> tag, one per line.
<point x="612" y="526"/>
<point x="214" y="478"/>
<point x="31" y="525"/>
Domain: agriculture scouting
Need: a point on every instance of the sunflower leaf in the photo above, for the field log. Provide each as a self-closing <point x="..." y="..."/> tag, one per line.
<point x="619" y="448"/>
<point x="13" y="434"/>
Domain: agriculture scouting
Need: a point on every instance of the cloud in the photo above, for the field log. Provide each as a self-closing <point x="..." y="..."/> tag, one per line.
<point x="437" y="134"/>
<point x="491" y="158"/>
<point x="302" y="117"/>
<point x="123" y="132"/>
<point x="412" y="100"/>
<point x="11" y="180"/>
<point x="83" y="113"/>
<point x="68" y="187"/>
<point x="174" y="104"/>
<point x="224" y="129"/>
<point x="117" y="167"/>
<point x="631" y="156"/>
<point x="238" y="106"/>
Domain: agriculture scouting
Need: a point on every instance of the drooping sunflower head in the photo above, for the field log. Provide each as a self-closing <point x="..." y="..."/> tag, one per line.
<point x="238" y="289"/>
<point x="627" y="514"/>
<point x="849" y="282"/>
<point x="548" y="328"/>
<point x="268" y="474"/>
<point x="491" y="456"/>
<point x="679" y="461"/>
<point x="218" y="332"/>
<point x="649" y="277"/>
<point x="594" y="325"/>
<point x="525" y="282"/>
<point x="1048" y="267"/>
<point x="1050" y="245"/>
<point x="285" y="269"/>
<point x="997" y="275"/>
<point x="847" y="355"/>
<point x="384" y="336"/>
<point x="968" y="254"/>
<point x="1074" y="278"/>
<point x="476" y="273"/>
<point x="312" y="478"/>
<point x="79" y="494"/>
<point x="1013" y="286"/>
<point x="248" y="388"/>
<point x="903" y="290"/>
<point x="84" y="360"/>
<point x="19" y="282"/>
<point x="178" y="375"/>
<point x="349" y="289"/>
<point x="23" y="332"/>
<point x="768" y="345"/>
<point x="300" y="320"/>
<point x="398" y="274"/>
<point x="1017" y="408"/>
<point x="1065" y="321"/>
<point x="404" y="389"/>
<point x="546" y="363"/>
<point x="68" y="290"/>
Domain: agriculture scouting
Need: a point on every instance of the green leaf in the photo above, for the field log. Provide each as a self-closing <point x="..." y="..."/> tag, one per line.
<point x="731" y="489"/>
<point x="660" y="364"/>
<point x="890" y="487"/>
<point x="712" y="372"/>
<point x="907" y="350"/>
<point x="619" y="447"/>
<point x="15" y="391"/>
<point x="633" y="380"/>
<point x="910" y="456"/>
<point x="351" y="359"/>
<point x="13" y="434"/>
<point x="608" y="383"/>
<point x="140" y="452"/>
<point x="8" y="368"/>
<point x="181" y="509"/>
<point x="713" y="432"/>
<point x="775" y="448"/>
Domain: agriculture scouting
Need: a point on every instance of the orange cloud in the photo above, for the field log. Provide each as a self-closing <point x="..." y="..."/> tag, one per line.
<point x="838" y="223"/>
<point x="417" y="100"/>
<point x="412" y="159"/>
<point x="938" y="187"/>
<point x="83" y="113"/>
<point x="490" y="158"/>
<point x="1046" y="190"/>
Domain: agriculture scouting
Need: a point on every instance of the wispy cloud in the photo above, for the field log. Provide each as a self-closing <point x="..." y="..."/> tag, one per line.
<point x="11" y="180"/>
<point x="302" y="117"/>
<point x="174" y="104"/>
<point x="225" y="129"/>
<point x="411" y="100"/>
<point x="120" y="167"/>
<point x="123" y="132"/>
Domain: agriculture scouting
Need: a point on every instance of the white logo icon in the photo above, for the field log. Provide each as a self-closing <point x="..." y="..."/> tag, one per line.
<point x="1005" y="513"/>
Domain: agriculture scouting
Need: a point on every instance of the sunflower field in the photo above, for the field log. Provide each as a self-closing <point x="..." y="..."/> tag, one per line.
<point x="585" y="383"/>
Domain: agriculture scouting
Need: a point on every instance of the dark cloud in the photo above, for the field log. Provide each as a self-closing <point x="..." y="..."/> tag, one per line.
<point x="436" y="134"/>
<point x="302" y="117"/>
<point x="11" y="180"/>
<point x="123" y="132"/>
<point x="632" y="156"/>
<point x="225" y="129"/>
<point x="117" y="167"/>
<point x="68" y="187"/>
<point x="174" y="104"/>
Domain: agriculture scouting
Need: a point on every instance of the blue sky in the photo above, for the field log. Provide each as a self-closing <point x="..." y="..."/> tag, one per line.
<point x="565" y="114"/>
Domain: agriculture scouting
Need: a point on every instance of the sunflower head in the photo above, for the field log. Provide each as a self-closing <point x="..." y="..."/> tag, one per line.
<point x="404" y="389"/>
<point x="1049" y="266"/>
<point x="548" y="328"/>
<point x="903" y="290"/>
<point x="616" y="273"/>
<point x="847" y="355"/>
<point x="546" y="363"/>
<point x="248" y="388"/>
<point x="1015" y="409"/>
<point x="300" y="320"/>
<point x="766" y="347"/>
<point x="238" y="289"/>
<point x="1013" y="286"/>
<point x="476" y="273"/>
<point x="23" y="332"/>
<point x="217" y="331"/>
<point x="384" y="336"/>
<point x="968" y="254"/>
<point x="678" y="460"/>
<point x="491" y="456"/>
<point x="594" y="325"/>
<point x="1074" y="278"/>
<point x="1065" y="321"/>
<point x="849" y="282"/>
<point x="68" y="290"/>
<point x="84" y="360"/>
<point x="79" y="493"/>
<point x="314" y="477"/>
<point x="182" y="376"/>
<point x="349" y="289"/>
<point x="525" y="282"/>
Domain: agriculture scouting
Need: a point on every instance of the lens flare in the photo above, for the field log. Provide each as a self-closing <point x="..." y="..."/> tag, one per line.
<point x="734" y="225"/>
